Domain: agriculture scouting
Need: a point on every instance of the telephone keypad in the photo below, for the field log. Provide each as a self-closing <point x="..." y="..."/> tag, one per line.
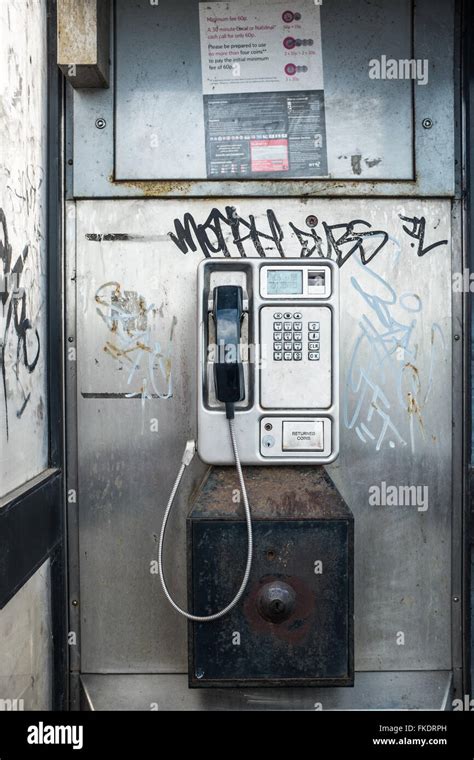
<point x="288" y="338"/>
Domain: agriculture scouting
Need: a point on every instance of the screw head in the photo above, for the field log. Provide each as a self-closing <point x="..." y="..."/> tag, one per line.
<point x="268" y="426"/>
<point x="100" y="123"/>
<point x="311" y="221"/>
<point x="427" y="123"/>
<point x="457" y="337"/>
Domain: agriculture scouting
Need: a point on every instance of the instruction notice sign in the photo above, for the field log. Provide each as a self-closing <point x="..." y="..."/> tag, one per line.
<point x="262" y="73"/>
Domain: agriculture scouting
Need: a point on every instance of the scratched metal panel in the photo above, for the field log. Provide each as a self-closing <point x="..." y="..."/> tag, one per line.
<point x="23" y="100"/>
<point x="395" y="393"/>
<point x="26" y="654"/>
<point x="90" y="150"/>
<point x="369" y="122"/>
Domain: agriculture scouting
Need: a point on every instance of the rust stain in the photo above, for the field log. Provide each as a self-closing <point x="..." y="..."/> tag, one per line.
<point x="414" y="409"/>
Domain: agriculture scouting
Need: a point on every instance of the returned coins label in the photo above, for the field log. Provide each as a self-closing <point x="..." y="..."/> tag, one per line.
<point x="303" y="435"/>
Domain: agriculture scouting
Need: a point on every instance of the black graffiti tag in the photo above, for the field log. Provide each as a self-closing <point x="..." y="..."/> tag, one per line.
<point x="14" y="319"/>
<point x="417" y="232"/>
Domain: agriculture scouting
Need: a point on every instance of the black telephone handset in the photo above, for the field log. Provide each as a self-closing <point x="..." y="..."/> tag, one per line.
<point x="228" y="369"/>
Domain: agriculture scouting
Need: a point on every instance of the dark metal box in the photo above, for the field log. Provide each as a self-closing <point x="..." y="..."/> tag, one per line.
<point x="294" y="624"/>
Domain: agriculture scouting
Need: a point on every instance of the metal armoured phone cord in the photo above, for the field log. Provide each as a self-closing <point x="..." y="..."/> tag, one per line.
<point x="186" y="460"/>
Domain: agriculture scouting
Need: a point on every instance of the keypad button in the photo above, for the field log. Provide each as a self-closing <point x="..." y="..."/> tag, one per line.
<point x="277" y="315"/>
<point x="313" y="356"/>
<point x="297" y="326"/>
<point x="297" y="336"/>
<point x="297" y="315"/>
<point x="313" y="346"/>
<point x="314" y="326"/>
<point x="277" y="346"/>
<point x="277" y="336"/>
<point x="297" y="346"/>
<point x="297" y="356"/>
<point x="288" y="315"/>
<point x="277" y="356"/>
<point x="287" y="336"/>
<point x="313" y="336"/>
<point x="287" y="357"/>
<point x="277" y="326"/>
<point x="287" y="346"/>
<point x="287" y="326"/>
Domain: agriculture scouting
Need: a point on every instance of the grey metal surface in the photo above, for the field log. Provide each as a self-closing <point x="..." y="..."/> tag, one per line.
<point x="26" y="653"/>
<point x="170" y="91"/>
<point x="359" y="107"/>
<point x="403" y="554"/>
<point x="382" y="691"/>
<point x="23" y="234"/>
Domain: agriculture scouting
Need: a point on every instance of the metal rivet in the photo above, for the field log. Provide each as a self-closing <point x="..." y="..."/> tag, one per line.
<point x="457" y="337"/>
<point x="455" y="599"/>
<point x="311" y="221"/>
<point x="70" y="162"/>
<point x="427" y="123"/>
<point x="71" y="340"/>
<point x="100" y="123"/>
<point x="74" y="603"/>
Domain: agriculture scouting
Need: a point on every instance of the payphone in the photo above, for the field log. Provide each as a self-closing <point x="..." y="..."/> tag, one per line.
<point x="267" y="353"/>
<point x="268" y="329"/>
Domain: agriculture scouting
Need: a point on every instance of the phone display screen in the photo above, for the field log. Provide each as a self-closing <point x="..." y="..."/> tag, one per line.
<point x="284" y="282"/>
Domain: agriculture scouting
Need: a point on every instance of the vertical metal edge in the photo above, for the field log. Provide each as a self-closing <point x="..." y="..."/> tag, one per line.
<point x="465" y="21"/>
<point x="71" y="447"/>
<point x="55" y="370"/>
<point x="458" y="254"/>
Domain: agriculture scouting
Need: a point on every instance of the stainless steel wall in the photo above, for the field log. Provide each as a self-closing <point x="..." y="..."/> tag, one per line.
<point x="135" y="319"/>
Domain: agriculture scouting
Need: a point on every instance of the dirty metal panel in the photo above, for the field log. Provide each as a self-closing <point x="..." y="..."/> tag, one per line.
<point x="26" y="655"/>
<point x="92" y="148"/>
<point x="313" y="643"/>
<point x="370" y="136"/>
<point x="430" y="690"/>
<point x="136" y="305"/>
<point x="23" y="287"/>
